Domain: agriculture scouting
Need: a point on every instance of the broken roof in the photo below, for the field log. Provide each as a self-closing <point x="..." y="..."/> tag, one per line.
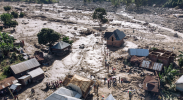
<point x="64" y="94"/>
<point x="138" y="52"/>
<point x="117" y="33"/>
<point x="136" y="59"/>
<point x="151" y="83"/>
<point x="83" y="83"/>
<point x="151" y="65"/>
<point x="26" y="65"/>
<point x="180" y="80"/>
<point x="7" y="82"/>
<point x="61" y="45"/>
<point x="39" y="55"/>
<point x="36" y="72"/>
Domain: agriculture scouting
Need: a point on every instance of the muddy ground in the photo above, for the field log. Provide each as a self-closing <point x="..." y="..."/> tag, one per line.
<point x="90" y="60"/>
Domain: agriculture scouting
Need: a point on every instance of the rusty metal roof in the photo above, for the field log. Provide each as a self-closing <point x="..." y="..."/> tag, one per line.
<point x="26" y="65"/>
<point x="7" y="82"/>
<point x="136" y="59"/>
<point x="36" y="72"/>
<point x="151" y="83"/>
<point x="151" y="65"/>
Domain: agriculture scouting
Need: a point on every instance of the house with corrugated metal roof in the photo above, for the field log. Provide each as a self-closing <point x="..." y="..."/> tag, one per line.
<point x="138" y="52"/>
<point x="36" y="74"/>
<point x="23" y="68"/>
<point x="7" y="82"/>
<point x="151" y="65"/>
<point x="115" y="38"/>
<point x="61" y="48"/>
<point x="64" y="94"/>
<point x="179" y="84"/>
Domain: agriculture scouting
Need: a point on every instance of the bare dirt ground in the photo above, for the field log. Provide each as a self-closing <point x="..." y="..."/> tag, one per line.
<point x="90" y="60"/>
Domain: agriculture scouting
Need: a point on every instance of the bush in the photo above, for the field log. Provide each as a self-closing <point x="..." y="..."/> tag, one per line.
<point x="15" y="14"/>
<point x="13" y="56"/>
<point x="7" y="71"/>
<point x="180" y="62"/>
<point x="22" y="15"/>
<point x="6" y="8"/>
<point x="154" y="48"/>
<point x="3" y="63"/>
<point x="20" y="57"/>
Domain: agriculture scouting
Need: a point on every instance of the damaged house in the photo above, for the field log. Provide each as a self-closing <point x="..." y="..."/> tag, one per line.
<point x="163" y="56"/>
<point x="179" y="84"/>
<point x="80" y="84"/>
<point x="151" y="83"/>
<point x="115" y="38"/>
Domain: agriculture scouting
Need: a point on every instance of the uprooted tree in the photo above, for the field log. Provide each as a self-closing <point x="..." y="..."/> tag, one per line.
<point x="48" y="37"/>
<point x="100" y="14"/>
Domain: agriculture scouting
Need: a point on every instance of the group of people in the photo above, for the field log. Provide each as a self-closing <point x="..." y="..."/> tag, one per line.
<point x="54" y="84"/>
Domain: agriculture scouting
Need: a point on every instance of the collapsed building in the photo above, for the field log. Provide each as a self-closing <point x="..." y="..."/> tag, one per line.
<point x="163" y="56"/>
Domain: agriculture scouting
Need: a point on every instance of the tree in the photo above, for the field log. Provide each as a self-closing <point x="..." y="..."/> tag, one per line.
<point x="168" y="76"/>
<point x="48" y="37"/>
<point x="6" y="43"/>
<point x="22" y="15"/>
<point x="7" y="8"/>
<point x="14" y="14"/>
<point x="6" y="17"/>
<point x="99" y="14"/>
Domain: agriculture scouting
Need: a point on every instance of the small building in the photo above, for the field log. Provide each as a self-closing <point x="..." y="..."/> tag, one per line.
<point x="36" y="74"/>
<point x="64" y="94"/>
<point x="179" y="84"/>
<point x="61" y="48"/>
<point x="7" y="82"/>
<point x="79" y="84"/>
<point x="22" y="68"/>
<point x="15" y="87"/>
<point x="151" y="83"/>
<point x="115" y="38"/>
<point x="166" y="57"/>
<point x="138" y="52"/>
<point x="24" y="80"/>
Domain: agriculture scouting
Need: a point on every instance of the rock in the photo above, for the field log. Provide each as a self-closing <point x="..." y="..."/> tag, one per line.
<point x="75" y="28"/>
<point x="175" y="35"/>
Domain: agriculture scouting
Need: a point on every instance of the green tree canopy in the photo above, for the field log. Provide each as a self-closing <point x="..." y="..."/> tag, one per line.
<point x="48" y="37"/>
<point x="6" y="17"/>
<point x="6" y="43"/>
<point x="14" y="14"/>
<point x="7" y="8"/>
<point x="66" y="39"/>
<point x="99" y="14"/>
<point x="22" y="15"/>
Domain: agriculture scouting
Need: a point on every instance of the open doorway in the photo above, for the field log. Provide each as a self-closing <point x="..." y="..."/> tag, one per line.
<point x="112" y="39"/>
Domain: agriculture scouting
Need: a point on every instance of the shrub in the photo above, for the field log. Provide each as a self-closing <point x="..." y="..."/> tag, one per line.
<point x="7" y="71"/>
<point x="20" y="57"/>
<point x="13" y="56"/>
<point x="6" y="8"/>
<point x="3" y="63"/>
<point x="22" y="15"/>
<point x="15" y="14"/>
<point x="154" y="48"/>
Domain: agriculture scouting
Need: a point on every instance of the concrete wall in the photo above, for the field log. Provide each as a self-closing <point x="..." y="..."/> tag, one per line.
<point x="115" y="42"/>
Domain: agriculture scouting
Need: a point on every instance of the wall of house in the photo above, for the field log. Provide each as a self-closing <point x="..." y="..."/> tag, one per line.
<point x="153" y="57"/>
<point x="115" y="42"/>
<point x="179" y="87"/>
<point x="165" y="60"/>
<point x="38" y="78"/>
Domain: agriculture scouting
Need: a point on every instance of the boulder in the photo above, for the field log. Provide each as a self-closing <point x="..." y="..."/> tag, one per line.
<point x="175" y="35"/>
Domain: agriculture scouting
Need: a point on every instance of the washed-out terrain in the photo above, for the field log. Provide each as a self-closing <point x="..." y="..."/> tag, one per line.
<point x="159" y="33"/>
